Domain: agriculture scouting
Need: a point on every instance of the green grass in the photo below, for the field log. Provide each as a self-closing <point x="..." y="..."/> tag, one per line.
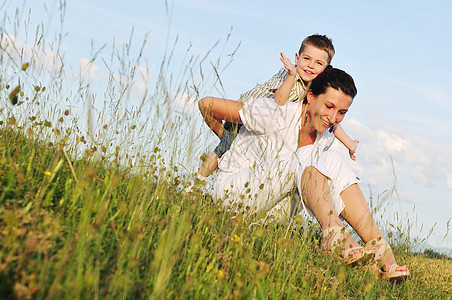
<point x="105" y="232"/>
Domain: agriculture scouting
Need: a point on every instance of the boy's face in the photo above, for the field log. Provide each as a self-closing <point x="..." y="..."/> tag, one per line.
<point x="328" y="109"/>
<point x="311" y="62"/>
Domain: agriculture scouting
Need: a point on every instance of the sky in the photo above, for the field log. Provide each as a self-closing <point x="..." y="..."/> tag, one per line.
<point x="398" y="52"/>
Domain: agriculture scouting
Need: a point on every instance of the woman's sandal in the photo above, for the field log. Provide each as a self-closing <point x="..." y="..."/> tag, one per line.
<point x="337" y="238"/>
<point x="391" y="273"/>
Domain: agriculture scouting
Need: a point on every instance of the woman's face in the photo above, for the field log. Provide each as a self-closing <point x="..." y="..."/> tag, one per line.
<point x="328" y="109"/>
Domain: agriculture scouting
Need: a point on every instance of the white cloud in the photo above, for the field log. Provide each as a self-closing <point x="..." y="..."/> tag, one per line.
<point x="423" y="160"/>
<point x="138" y="89"/>
<point x="409" y="197"/>
<point x="449" y="180"/>
<point x="185" y="102"/>
<point x="88" y="70"/>
<point x="38" y="58"/>
<point x="392" y="142"/>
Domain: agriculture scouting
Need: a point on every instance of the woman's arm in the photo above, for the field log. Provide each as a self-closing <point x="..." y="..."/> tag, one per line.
<point x="351" y="145"/>
<point x="283" y="92"/>
<point x="215" y="110"/>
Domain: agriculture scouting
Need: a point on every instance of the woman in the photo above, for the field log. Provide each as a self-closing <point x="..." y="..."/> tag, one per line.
<point x="286" y="145"/>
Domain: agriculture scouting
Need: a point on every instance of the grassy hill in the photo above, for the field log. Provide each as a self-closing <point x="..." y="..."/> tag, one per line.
<point x="85" y="215"/>
<point x="84" y="229"/>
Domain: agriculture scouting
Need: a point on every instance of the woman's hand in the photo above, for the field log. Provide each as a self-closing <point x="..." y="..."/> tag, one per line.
<point x="215" y="110"/>
<point x="288" y="65"/>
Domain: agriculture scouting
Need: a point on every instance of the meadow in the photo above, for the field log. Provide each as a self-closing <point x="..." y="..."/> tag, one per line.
<point x="93" y="202"/>
<point x="78" y="229"/>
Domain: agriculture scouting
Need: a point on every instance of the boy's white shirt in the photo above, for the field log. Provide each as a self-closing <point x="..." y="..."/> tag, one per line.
<point x="269" y="130"/>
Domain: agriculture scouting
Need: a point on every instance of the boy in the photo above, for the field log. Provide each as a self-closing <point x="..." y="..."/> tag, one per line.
<point x="315" y="54"/>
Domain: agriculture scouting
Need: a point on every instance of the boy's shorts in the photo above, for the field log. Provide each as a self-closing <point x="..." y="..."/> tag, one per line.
<point x="229" y="134"/>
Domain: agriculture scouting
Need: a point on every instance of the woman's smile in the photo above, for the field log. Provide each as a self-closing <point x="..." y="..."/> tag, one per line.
<point x="325" y="123"/>
<point x="328" y="109"/>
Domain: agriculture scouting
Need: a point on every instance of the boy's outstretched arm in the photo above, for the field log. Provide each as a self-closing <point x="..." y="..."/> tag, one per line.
<point x="351" y="145"/>
<point x="283" y="92"/>
<point x="215" y="110"/>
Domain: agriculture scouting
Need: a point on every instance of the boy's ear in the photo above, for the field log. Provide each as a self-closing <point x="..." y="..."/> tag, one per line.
<point x="297" y="56"/>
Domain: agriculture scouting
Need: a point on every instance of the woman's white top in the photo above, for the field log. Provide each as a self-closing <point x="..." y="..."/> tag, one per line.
<point x="269" y="131"/>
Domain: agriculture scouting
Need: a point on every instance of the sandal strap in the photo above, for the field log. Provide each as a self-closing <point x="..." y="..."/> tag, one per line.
<point x="347" y="251"/>
<point x="337" y="235"/>
<point x="384" y="245"/>
<point x="335" y="232"/>
<point x="392" y="268"/>
<point x="392" y="273"/>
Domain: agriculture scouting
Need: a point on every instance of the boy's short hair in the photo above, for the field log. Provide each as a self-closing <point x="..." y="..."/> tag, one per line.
<point x="319" y="41"/>
<point x="335" y="78"/>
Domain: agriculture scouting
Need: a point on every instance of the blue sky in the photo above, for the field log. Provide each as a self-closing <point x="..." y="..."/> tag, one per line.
<point x="397" y="51"/>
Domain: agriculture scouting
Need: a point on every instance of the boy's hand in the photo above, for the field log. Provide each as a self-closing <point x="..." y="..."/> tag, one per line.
<point x="353" y="149"/>
<point x="288" y="65"/>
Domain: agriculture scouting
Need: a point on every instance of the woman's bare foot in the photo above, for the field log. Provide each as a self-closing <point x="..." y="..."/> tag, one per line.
<point x="384" y="256"/>
<point x="338" y="240"/>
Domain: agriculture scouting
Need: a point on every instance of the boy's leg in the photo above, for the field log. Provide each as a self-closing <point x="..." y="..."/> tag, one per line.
<point x="229" y="134"/>
<point x="209" y="165"/>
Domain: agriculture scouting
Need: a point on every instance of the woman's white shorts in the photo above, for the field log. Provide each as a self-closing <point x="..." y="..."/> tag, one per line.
<point x="261" y="188"/>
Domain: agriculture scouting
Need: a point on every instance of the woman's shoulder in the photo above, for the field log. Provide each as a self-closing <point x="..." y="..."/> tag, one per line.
<point x="268" y="107"/>
<point x="294" y="107"/>
<point x="291" y="104"/>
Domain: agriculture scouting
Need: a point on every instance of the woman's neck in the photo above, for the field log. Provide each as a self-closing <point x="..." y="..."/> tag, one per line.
<point x="307" y="134"/>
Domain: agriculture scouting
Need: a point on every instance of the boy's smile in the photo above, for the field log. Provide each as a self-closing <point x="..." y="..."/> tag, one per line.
<point x="311" y="62"/>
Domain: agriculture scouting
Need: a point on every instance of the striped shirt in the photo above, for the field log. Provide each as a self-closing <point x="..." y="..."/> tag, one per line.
<point x="268" y="89"/>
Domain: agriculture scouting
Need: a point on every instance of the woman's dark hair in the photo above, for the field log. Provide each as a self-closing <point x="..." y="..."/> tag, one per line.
<point x="335" y="78"/>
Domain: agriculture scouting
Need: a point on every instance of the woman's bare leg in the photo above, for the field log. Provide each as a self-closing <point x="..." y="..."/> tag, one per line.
<point x="358" y="215"/>
<point x="316" y="195"/>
